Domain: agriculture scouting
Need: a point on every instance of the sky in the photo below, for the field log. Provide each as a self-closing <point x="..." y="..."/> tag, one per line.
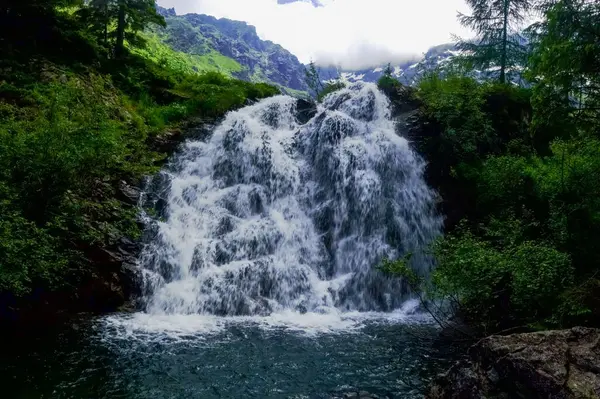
<point x="353" y="34"/>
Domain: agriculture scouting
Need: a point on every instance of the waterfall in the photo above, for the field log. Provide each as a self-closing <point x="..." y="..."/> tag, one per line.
<point x="271" y="215"/>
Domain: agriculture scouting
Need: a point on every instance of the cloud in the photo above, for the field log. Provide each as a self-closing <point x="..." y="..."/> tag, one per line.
<point x="350" y="33"/>
<point x="363" y="55"/>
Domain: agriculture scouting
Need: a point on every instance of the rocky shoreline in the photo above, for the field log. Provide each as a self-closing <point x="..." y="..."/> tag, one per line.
<point x="549" y="364"/>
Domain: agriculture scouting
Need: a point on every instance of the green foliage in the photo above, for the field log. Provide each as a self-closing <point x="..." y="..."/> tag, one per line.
<point x="500" y="286"/>
<point x="387" y="83"/>
<point x="521" y="167"/>
<point x="496" y="25"/>
<point x="75" y="123"/>
<point x="555" y="196"/>
<point x="189" y="64"/>
<point x="568" y="182"/>
<point x="59" y="157"/>
<point x="535" y="218"/>
<point x="401" y="268"/>
<point x="330" y="88"/>
<point x="566" y="69"/>
<point x="456" y="103"/>
<point x="29" y="254"/>
<point x="113" y="22"/>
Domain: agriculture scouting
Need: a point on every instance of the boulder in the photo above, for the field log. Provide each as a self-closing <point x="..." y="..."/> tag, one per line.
<point x="561" y="364"/>
<point x="128" y="193"/>
<point x="305" y="110"/>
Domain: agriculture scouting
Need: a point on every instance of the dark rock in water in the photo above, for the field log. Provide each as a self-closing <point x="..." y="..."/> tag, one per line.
<point x="551" y="364"/>
<point x="116" y="279"/>
<point x="305" y="110"/>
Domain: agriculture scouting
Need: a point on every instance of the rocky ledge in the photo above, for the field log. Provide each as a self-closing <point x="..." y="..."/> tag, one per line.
<point x="551" y="364"/>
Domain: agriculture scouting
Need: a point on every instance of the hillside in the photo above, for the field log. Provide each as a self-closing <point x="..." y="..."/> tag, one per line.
<point x="78" y="125"/>
<point x="232" y="47"/>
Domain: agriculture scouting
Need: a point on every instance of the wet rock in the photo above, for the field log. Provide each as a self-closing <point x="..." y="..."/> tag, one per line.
<point x="305" y="110"/>
<point x="101" y="293"/>
<point x="551" y="364"/>
<point x="115" y="279"/>
<point x="129" y="193"/>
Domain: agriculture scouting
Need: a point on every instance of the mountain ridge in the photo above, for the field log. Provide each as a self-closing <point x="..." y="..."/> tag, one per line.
<point x="234" y="48"/>
<point x="261" y="60"/>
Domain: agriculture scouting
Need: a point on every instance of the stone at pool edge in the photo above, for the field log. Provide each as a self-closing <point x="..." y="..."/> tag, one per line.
<point x="561" y="364"/>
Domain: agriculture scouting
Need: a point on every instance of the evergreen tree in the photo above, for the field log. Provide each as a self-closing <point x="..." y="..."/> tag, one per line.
<point x="567" y="51"/>
<point x="97" y="17"/>
<point x="388" y="71"/>
<point x="497" y="43"/>
<point x="313" y="79"/>
<point x="565" y="65"/>
<point x="117" y="21"/>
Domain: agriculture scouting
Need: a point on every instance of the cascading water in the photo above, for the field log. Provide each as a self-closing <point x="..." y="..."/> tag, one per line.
<point x="269" y="215"/>
<point x="278" y="226"/>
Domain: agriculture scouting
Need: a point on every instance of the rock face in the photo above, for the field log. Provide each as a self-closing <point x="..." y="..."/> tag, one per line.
<point x="261" y="60"/>
<point x="552" y="364"/>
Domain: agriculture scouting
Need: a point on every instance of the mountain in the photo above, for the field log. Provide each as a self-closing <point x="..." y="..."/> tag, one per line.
<point x="223" y="40"/>
<point x="436" y="58"/>
<point x="407" y="73"/>
<point x="233" y="47"/>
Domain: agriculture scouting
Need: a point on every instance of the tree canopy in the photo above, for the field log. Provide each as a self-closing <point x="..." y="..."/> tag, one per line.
<point x="498" y="42"/>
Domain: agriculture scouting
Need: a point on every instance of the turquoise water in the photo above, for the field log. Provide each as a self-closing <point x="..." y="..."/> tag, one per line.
<point x="107" y="358"/>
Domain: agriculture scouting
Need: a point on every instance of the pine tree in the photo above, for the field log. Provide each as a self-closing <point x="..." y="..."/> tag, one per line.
<point x="565" y="67"/>
<point x="498" y="42"/>
<point x="313" y="79"/>
<point x="388" y="71"/>
<point x="116" y="21"/>
<point x="97" y="17"/>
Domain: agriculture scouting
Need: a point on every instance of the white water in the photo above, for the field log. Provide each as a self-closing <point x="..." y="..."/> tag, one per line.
<point x="273" y="218"/>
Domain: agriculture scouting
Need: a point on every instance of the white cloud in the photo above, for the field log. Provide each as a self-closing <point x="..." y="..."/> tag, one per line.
<point x="350" y="33"/>
<point x="362" y="55"/>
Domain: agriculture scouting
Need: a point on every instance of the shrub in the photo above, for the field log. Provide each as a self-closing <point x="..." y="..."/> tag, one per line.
<point x="67" y="142"/>
<point x="500" y="287"/>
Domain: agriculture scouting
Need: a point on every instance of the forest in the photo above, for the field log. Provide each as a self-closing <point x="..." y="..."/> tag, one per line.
<point x="516" y="160"/>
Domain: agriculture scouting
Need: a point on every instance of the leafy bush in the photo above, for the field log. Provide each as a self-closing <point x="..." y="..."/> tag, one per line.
<point x="456" y="105"/>
<point x="500" y="287"/>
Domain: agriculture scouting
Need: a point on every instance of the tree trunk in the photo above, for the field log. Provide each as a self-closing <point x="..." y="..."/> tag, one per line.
<point x="120" y="46"/>
<point x="504" y="43"/>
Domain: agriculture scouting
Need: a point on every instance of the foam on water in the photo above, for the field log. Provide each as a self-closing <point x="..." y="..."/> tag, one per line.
<point x="280" y="224"/>
<point x="177" y="327"/>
